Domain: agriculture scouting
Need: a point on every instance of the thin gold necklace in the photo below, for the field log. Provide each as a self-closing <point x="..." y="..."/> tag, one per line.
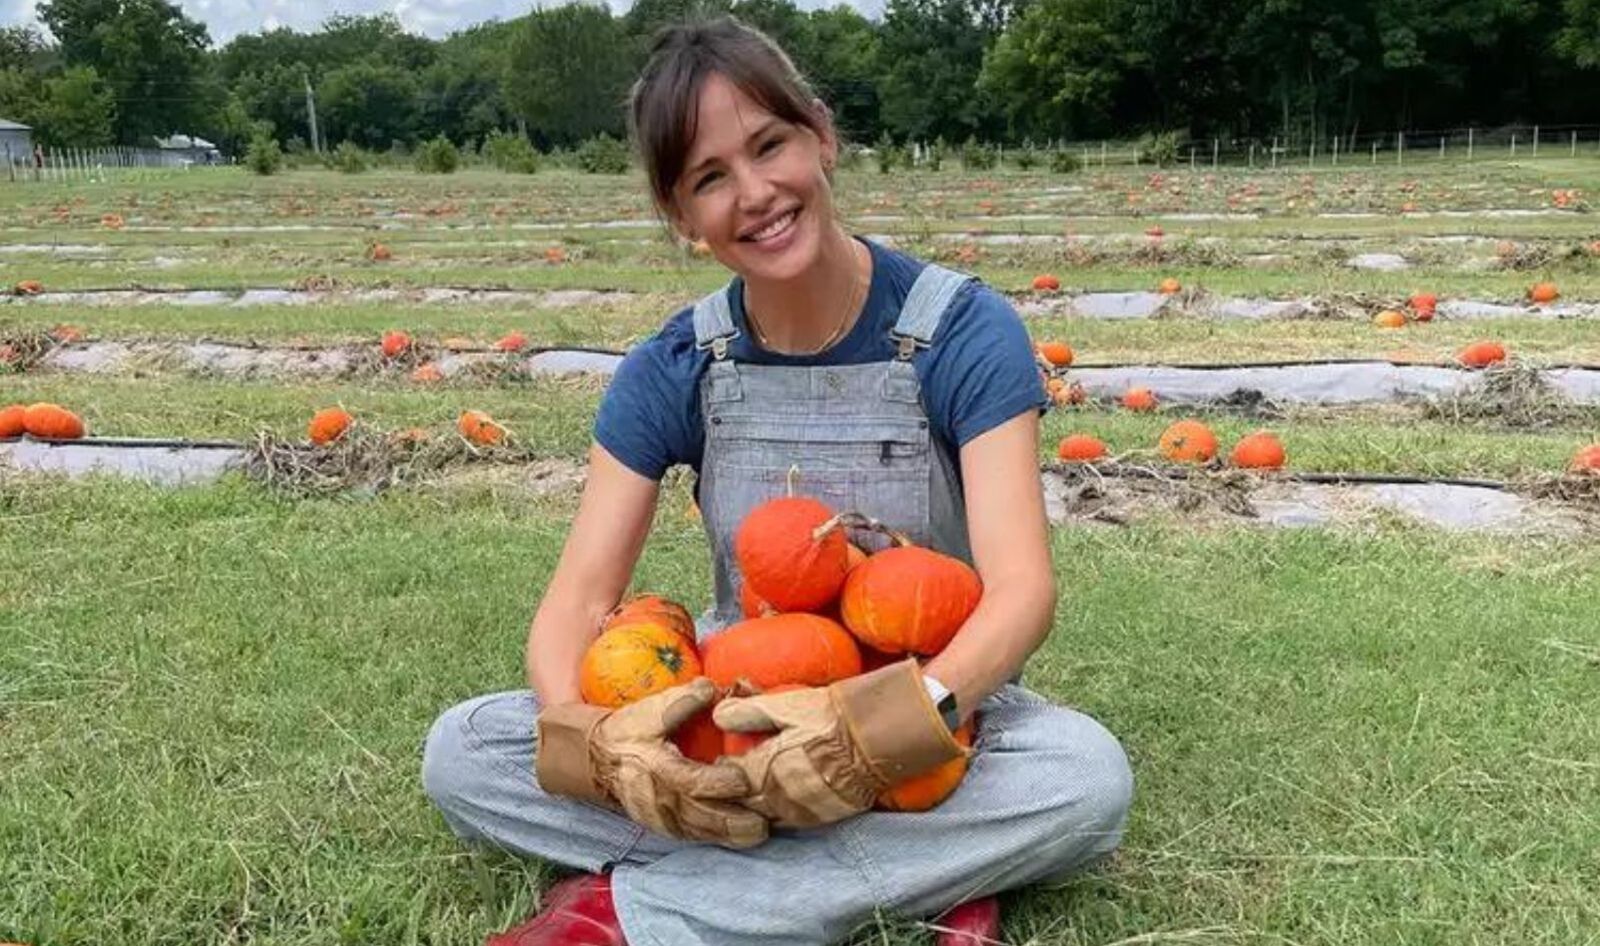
<point x="838" y="332"/>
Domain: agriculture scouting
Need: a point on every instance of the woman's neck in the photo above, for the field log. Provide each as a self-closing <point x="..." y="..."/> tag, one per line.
<point x="816" y="308"/>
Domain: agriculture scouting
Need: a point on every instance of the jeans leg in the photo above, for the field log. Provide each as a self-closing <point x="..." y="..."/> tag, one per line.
<point x="1048" y="790"/>
<point x="477" y="766"/>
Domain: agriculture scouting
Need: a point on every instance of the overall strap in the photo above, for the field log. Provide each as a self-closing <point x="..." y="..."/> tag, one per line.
<point x="925" y="305"/>
<point x="713" y="323"/>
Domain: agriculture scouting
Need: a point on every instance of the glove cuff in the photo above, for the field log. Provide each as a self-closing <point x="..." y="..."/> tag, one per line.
<point x="562" y="762"/>
<point x="894" y="723"/>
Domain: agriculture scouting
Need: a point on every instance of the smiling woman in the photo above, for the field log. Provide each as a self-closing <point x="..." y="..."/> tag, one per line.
<point x="874" y="382"/>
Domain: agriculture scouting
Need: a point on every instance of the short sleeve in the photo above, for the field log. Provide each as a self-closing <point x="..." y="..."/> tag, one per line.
<point x="982" y="371"/>
<point x="649" y="414"/>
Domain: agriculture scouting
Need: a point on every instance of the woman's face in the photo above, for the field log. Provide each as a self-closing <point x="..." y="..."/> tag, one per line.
<point x="754" y="188"/>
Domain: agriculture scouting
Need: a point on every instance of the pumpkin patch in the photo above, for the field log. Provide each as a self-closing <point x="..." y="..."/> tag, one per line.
<point x="1188" y="441"/>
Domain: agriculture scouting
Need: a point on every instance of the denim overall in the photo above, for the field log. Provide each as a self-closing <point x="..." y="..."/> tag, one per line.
<point x="1047" y="790"/>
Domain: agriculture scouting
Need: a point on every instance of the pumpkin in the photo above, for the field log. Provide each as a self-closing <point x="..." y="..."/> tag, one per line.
<point x="804" y="649"/>
<point x="699" y="738"/>
<point x="1058" y="354"/>
<point x="427" y="373"/>
<point x="512" y="341"/>
<point x="112" y="221"/>
<point x="1258" y="451"/>
<point x="395" y="344"/>
<point x="1389" y="318"/>
<point x="1067" y="394"/>
<point x="652" y="608"/>
<point x="1155" y="232"/>
<point x="738" y="743"/>
<point x="925" y="791"/>
<point x="1544" y="292"/>
<point x="1139" y="399"/>
<point x="1169" y="286"/>
<point x="751" y="605"/>
<point x="1081" y="448"/>
<point x="379" y="253"/>
<point x="51" y="422"/>
<point x="480" y="429"/>
<point x="555" y="254"/>
<point x="909" y="599"/>
<point x="12" y="421"/>
<point x="1587" y="460"/>
<point x="876" y="659"/>
<point x="853" y="555"/>
<point x="631" y="662"/>
<point x="792" y="553"/>
<point x="1188" y="441"/>
<point x="29" y="287"/>
<point x="1482" y="354"/>
<point x="328" y="425"/>
<point x="1421" y="302"/>
<point x="67" y="334"/>
<point x="1046" y="283"/>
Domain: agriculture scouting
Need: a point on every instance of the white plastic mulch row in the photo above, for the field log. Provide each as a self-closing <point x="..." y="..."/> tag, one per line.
<point x="1281" y="503"/>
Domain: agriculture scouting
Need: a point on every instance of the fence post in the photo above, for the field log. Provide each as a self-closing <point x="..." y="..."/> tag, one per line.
<point x="1469" y="144"/>
<point x="1399" y="148"/>
<point x="1513" y="144"/>
<point x="1085" y="155"/>
<point x="1535" y="141"/>
<point x="1214" y="149"/>
<point x="1191" y="157"/>
<point x="1102" y="154"/>
<point x="1441" y="147"/>
<point x="1335" y="150"/>
<point x="1274" y="152"/>
<point x="1574" y="144"/>
<point x="1252" y="155"/>
<point x="1374" y="152"/>
<point x="1312" y="158"/>
<point x="11" y="167"/>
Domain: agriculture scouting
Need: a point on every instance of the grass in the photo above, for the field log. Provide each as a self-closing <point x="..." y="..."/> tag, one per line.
<point x="213" y="703"/>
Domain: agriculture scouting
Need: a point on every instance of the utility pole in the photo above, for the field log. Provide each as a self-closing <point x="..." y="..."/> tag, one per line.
<point x="311" y="109"/>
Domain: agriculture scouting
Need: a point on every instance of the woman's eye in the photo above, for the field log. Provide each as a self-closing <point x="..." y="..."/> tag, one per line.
<point x="700" y="185"/>
<point x="771" y="144"/>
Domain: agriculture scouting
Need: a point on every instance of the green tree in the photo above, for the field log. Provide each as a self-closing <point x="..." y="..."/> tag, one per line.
<point x="564" y="76"/>
<point x="77" y="110"/>
<point x="930" y="56"/>
<point x="147" y="52"/>
<point x="1058" y="69"/>
<point x="369" y="102"/>
<point x="461" y="92"/>
<point x="1579" y="39"/>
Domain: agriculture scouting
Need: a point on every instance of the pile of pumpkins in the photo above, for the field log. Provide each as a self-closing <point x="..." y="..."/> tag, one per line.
<point x="817" y="609"/>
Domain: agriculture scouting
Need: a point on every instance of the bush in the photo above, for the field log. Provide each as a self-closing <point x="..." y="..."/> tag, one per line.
<point x="438" y="156"/>
<point x="263" y="156"/>
<point x="1063" y="161"/>
<point x="1025" y="157"/>
<point x="888" y="155"/>
<point x="603" y="154"/>
<point x="977" y="157"/>
<point x="350" y="158"/>
<point x="849" y="156"/>
<point x="510" y="152"/>
<point x="1159" y="149"/>
<point x="935" y="153"/>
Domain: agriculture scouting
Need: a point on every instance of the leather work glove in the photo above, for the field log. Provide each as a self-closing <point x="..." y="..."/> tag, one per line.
<point x="622" y="758"/>
<point x="837" y="747"/>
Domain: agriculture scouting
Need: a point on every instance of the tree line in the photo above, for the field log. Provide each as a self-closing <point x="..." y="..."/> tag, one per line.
<point x="1006" y="71"/>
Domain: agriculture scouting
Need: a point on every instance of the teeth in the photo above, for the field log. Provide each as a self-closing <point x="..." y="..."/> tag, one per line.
<point x="774" y="228"/>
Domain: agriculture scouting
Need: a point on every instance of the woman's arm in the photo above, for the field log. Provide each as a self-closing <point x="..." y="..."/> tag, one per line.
<point x="1010" y="546"/>
<point x="614" y="517"/>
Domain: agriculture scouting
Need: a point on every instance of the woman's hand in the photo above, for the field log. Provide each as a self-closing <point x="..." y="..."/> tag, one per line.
<point x="622" y="758"/>
<point x="836" y="748"/>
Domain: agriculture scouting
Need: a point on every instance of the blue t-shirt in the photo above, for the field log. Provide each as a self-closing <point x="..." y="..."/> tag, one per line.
<point x="978" y="372"/>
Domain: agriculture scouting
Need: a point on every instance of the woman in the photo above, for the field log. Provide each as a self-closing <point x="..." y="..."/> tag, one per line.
<point x="896" y="388"/>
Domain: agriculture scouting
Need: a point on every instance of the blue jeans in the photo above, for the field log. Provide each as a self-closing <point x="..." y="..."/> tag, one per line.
<point x="1048" y="791"/>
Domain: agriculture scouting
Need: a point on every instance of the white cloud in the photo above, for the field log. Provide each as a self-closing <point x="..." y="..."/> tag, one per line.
<point x="226" y="19"/>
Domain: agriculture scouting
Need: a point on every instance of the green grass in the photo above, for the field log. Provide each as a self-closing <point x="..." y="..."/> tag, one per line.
<point x="213" y="704"/>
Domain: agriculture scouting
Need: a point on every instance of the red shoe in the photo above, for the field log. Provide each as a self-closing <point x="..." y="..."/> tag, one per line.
<point x="577" y="911"/>
<point x="974" y="923"/>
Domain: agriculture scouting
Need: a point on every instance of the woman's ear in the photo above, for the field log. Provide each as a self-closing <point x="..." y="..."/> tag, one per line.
<point x="827" y="135"/>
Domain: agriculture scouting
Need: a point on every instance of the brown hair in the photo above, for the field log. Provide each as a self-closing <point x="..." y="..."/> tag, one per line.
<point x="664" y="104"/>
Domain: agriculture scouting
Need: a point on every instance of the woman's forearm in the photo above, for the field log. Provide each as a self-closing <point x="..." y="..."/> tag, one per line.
<point x="556" y="644"/>
<point x="1011" y="621"/>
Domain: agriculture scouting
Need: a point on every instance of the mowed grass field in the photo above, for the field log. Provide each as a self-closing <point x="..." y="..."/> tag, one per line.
<point x="212" y="699"/>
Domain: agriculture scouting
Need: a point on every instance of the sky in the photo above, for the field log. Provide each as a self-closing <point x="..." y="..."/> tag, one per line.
<point x="226" y="19"/>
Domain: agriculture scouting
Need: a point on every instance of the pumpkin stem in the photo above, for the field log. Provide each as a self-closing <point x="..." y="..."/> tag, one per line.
<point x="856" y="520"/>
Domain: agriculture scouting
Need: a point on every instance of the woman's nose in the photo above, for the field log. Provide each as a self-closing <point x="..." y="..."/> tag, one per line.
<point x="755" y="191"/>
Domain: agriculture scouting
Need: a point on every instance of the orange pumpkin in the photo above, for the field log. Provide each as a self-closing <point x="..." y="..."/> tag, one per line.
<point x="792" y="554"/>
<point x="1482" y="354"/>
<point x="481" y="429"/>
<point x="909" y="599"/>
<point x="854" y="555"/>
<point x="512" y="341"/>
<point x="328" y="425"/>
<point x="1587" y="460"/>
<point x="631" y="662"/>
<point x="1389" y="318"/>
<point x="1046" y="283"/>
<point x="379" y="253"/>
<point x="804" y="649"/>
<point x="51" y="422"/>
<point x="925" y="791"/>
<point x="67" y="334"/>
<point x="29" y="287"/>
<point x="12" y="421"/>
<point x="1544" y="292"/>
<point x="652" y="608"/>
<point x="750" y="603"/>
<point x="1423" y="302"/>
<point x="555" y="254"/>
<point x="1258" y="451"/>
<point x="1058" y="354"/>
<point x="427" y="373"/>
<point x="1169" y="286"/>
<point x="395" y="344"/>
<point x="1139" y="399"/>
<point x="1081" y="448"/>
<point x="699" y="738"/>
<point x="738" y="743"/>
<point x="1188" y="441"/>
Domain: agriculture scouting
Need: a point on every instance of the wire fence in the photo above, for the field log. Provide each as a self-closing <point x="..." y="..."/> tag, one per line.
<point x="22" y="164"/>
